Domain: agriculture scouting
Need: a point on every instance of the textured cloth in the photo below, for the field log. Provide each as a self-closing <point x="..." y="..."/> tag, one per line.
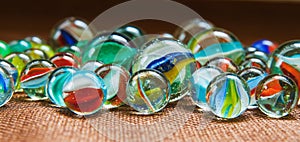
<point x="24" y="120"/>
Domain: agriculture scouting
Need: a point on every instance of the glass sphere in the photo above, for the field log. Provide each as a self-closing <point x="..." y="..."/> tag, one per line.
<point x="228" y="96"/>
<point x="277" y="95"/>
<point x="216" y="42"/>
<point x="34" y="78"/>
<point x="84" y="93"/>
<point x="115" y="78"/>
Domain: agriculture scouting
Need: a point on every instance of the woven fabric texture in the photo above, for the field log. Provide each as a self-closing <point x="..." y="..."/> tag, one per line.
<point x="24" y="120"/>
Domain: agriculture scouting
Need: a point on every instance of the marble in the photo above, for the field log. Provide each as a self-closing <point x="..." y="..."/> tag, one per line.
<point x="34" y="78"/>
<point x="148" y="91"/>
<point x="277" y="95"/>
<point x="228" y="96"/>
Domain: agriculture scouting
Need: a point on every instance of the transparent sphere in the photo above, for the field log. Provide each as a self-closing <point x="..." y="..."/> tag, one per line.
<point x="225" y="64"/>
<point x="200" y="81"/>
<point x="110" y="48"/>
<point x="12" y="70"/>
<point x="69" y="31"/>
<point x="216" y="42"/>
<point x="34" y="78"/>
<point x="6" y="86"/>
<point x="254" y="62"/>
<point x="191" y="28"/>
<point x="65" y="59"/>
<point x="228" y="96"/>
<point x="19" y="60"/>
<point x="36" y="54"/>
<point x="277" y="95"/>
<point x="286" y="60"/>
<point x="148" y="91"/>
<point x="171" y="58"/>
<point x="84" y="93"/>
<point x="252" y="76"/>
<point x="115" y="78"/>
<point x="55" y="84"/>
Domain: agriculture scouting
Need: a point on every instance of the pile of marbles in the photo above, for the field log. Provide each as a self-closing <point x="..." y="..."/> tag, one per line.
<point x="86" y="71"/>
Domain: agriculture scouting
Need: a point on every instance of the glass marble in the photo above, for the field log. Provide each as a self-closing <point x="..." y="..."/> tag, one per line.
<point x="258" y="54"/>
<point x="4" y="49"/>
<point x="19" y="60"/>
<point x="148" y="91"/>
<point x="228" y="96"/>
<point x="200" y="81"/>
<point x="19" y="45"/>
<point x="252" y="76"/>
<point x="12" y="70"/>
<point x="55" y="84"/>
<point x="191" y="28"/>
<point x="225" y="64"/>
<point x="35" y="40"/>
<point x="115" y="78"/>
<point x="133" y="32"/>
<point x="171" y="58"/>
<point x="286" y="60"/>
<point x="277" y="95"/>
<point x="69" y="31"/>
<point x="216" y="42"/>
<point x="265" y="46"/>
<point x="65" y="59"/>
<point x="34" y="78"/>
<point x="36" y="54"/>
<point x="70" y="49"/>
<point x="45" y="48"/>
<point x="110" y="48"/>
<point x="6" y="86"/>
<point x="84" y="93"/>
<point x="254" y="62"/>
<point x="91" y="65"/>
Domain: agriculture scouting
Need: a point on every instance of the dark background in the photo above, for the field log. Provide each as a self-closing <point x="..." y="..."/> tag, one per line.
<point x="249" y="21"/>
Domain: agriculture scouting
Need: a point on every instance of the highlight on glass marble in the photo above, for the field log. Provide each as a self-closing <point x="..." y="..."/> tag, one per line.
<point x="69" y="31"/>
<point x="265" y="46"/>
<point x="65" y="59"/>
<point x="225" y="64"/>
<point x="12" y="70"/>
<point x="47" y="49"/>
<point x="4" y="49"/>
<point x="19" y="45"/>
<point x="75" y="50"/>
<point x="115" y="78"/>
<point x="190" y="28"/>
<point x="216" y="42"/>
<point x="277" y="95"/>
<point x="252" y="76"/>
<point x="110" y="48"/>
<point x="34" y="78"/>
<point x="55" y="84"/>
<point x="36" y="54"/>
<point x="148" y="91"/>
<point x="286" y="60"/>
<point x="228" y="96"/>
<point x="257" y="54"/>
<point x="6" y="86"/>
<point x="133" y="32"/>
<point x="171" y="58"/>
<point x="91" y="65"/>
<point x="84" y="93"/>
<point x="199" y="83"/>
<point x="19" y="60"/>
<point x="254" y="62"/>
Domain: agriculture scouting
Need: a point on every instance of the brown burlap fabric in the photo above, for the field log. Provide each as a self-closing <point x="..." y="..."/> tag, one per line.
<point x="23" y="120"/>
